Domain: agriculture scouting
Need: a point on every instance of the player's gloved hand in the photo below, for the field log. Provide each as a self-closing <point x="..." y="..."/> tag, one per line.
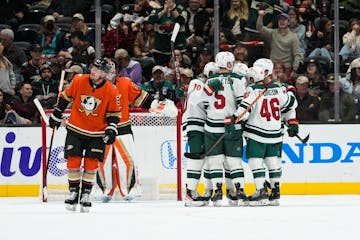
<point x="229" y="124"/>
<point x="110" y="134"/>
<point x="55" y="119"/>
<point x="293" y="127"/>
<point x="213" y="85"/>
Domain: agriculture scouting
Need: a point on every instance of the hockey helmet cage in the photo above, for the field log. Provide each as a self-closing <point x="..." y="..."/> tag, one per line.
<point x="210" y="67"/>
<point x="225" y="60"/>
<point x="256" y="73"/>
<point x="240" y="69"/>
<point x="102" y="64"/>
<point x="266" y="64"/>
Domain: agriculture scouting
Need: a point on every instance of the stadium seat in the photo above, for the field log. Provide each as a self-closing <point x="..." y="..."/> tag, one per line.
<point x="28" y="33"/>
<point x="4" y="26"/>
<point x="35" y="14"/>
<point x="67" y="20"/>
<point x="65" y="27"/>
<point x="24" y="46"/>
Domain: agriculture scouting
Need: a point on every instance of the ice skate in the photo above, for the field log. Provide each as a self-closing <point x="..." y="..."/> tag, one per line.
<point x="232" y="198"/>
<point x="106" y="198"/>
<point x="274" y="197"/>
<point x="206" y="196"/>
<point x="193" y="199"/>
<point x="217" y="197"/>
<point x="135" y="192"/>
<point x="85" y="203"/>
<point x="73" y="199"/>
<point x="259" y="198"/>
<point x="241" y="197"/>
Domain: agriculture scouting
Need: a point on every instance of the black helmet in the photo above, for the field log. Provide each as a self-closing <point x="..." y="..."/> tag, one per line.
<point x="102" y="64"/>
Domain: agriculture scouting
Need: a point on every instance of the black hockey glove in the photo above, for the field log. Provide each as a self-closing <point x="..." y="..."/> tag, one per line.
<point x="110" y="134"/>
<point x="55" y="119"/>
<point x="229" y="124"/>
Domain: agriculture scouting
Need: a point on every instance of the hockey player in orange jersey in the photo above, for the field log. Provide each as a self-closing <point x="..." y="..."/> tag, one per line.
<point x="92" y="124"/>
<point x="120" y="168"/>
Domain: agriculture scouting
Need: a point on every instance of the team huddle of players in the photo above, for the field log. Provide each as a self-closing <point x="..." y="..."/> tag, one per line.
<point x="228" y="103"/>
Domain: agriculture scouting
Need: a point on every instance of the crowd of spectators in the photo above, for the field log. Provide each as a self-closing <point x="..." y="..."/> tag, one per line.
<point x="39" y="39"/>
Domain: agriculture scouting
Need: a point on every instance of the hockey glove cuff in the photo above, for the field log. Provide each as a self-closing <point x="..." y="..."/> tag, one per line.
<point x="229" y="124"/>
<point x="110" y="134"/>
<point x="293" y="127"/>
<point x="56" y="119"/>
<point x="214" y="85"/>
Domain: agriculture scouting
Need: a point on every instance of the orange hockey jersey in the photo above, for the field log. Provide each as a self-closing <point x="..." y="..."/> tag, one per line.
<point x="91" y="106"/>
<point x="131" y="93"/>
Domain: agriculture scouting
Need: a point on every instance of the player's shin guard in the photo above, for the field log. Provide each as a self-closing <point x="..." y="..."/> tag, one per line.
<point x="193" y="173"/>
<point x="207" y="183"/>
<point x="234" y="174"/>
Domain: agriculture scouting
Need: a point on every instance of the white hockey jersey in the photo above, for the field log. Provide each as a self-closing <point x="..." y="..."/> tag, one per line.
<point x="194" y="115"/>
<point x="264" y="120"/>
<point x="224" y="103"/>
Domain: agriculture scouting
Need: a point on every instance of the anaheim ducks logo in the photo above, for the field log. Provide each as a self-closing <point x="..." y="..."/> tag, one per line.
<point x="89" y="104"/>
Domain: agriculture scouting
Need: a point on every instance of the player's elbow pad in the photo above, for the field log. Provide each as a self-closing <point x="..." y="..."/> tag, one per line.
<point x="62" y="104"/>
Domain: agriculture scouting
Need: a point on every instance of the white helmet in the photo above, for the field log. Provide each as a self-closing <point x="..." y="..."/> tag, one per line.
<point x="210" y="67"/>
<point x="266" y="64"/>
<point x="257" y="73"/>
<point x="225" y="60"/>
<point x="240" y="68"/>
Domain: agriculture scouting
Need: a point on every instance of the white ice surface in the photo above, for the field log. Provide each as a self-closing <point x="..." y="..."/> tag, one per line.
<point x="298" y="217"/>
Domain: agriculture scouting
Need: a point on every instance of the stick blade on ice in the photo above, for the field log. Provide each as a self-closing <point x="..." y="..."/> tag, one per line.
<point x="175" y="32"/>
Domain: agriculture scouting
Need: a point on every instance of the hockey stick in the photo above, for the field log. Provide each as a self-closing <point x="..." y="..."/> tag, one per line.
<point x="172" y="44"/>
<point x="202" y="155"/>
<point x="302" y="140"/>
<point x="42" y="112"/>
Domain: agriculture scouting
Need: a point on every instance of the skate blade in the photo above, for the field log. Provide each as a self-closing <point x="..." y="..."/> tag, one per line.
<point x="130" y="198"/>
<point x="84" y="209"/>
<point x="232" y="203"/>
<point x="242" y="203"/>
<point x="195" y="204"/>
<point x="70" y="207"/>
<point x="217" y="203"/>
<point x="259" y="203"/>
<point x="275" y="202"/>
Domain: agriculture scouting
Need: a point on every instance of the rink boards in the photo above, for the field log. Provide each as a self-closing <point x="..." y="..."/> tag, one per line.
<point x="329" y="163"/>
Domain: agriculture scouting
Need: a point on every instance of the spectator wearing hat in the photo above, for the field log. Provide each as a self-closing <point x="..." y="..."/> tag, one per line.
<point x="128" y="67"/>
<point x="308" y="105"/>
<point x="52" y="39"/>
<point x="78" y="24"/>
<point x="158" y="87"/>
<point x="30" y="70"/>
<point x="347" y="103"/>
<point x="46" y="88"/>
<point x="317" y="81"/>
<point x="285" y="45"/>
<point x="351" y="40"/>
<point x="164" y="19"/>
<point x="81" y="51"/>
<point x="72" y="71"/>
<point x="186" y="75"/>
<point x="12" y="52"/>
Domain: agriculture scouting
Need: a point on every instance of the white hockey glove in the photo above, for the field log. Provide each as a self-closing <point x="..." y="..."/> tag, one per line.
<point x="164" y="108"/>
